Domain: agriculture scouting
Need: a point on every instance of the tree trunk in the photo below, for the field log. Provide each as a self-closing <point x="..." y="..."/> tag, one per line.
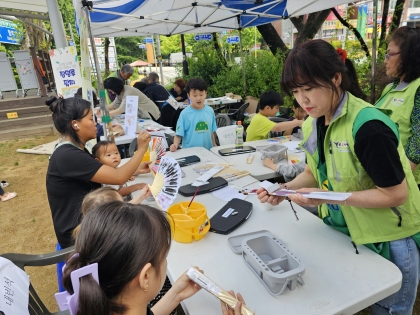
<point x="272" y="38"/>
<point x="107" y="42"/>
<point x="396" y="18"/>
<point x="219" y="52"/>
<point x="354" y="30"/>
<point x="298" y="22"/>
<point x="312" y="25"/>
<point x="383" y="24"/>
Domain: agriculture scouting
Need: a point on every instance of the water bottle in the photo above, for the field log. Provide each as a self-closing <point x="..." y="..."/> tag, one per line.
<point x="239" y="139"/>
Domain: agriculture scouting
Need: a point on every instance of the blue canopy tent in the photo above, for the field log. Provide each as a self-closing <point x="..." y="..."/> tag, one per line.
<point x="168" y="17"/>
<point x="112" y="18"/>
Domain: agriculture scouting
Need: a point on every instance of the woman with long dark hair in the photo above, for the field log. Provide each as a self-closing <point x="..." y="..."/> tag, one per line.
<point x="73" y="172"/>
<point x="351" y="146"/>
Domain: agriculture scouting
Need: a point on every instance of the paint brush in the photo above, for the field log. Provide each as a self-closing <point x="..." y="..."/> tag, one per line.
<point x="195" y="194"/>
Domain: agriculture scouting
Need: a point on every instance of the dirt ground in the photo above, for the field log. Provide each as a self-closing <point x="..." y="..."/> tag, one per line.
<point x="25" y="221"/>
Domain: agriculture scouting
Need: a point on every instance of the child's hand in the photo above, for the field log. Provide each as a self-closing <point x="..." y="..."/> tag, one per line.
<point x="298" y="122"/>
<point x="144" y="193"/>
<point x="173" y="147"/>
<point x="143" y="168"/>
<point x="268" y="162"/>
<point x="237" y="311"/>
<point x="131" y="178"/>
<point x="184" y="287"/>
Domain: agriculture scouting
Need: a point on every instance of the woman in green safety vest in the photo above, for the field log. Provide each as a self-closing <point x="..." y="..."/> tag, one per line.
<point x="402" y="62"/>
<point x="351" y="146"/>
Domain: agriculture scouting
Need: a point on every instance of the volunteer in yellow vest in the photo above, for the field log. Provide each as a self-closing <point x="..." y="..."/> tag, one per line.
<point x="353" y="147"/>
<point x="402" y="62"/>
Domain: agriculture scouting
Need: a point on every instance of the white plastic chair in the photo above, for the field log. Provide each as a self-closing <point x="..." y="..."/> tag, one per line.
<point x="226" y="135"/>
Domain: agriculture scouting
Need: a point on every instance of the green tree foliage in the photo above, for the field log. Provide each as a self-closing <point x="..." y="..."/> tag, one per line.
<point x="262" y="73"/>
<point x="128" y="49"/>
<point x="67" y="11"/>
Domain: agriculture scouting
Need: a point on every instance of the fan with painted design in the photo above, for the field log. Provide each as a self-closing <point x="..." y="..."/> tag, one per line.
<point x="157" y="149"/>
<point x="166" y="183"/>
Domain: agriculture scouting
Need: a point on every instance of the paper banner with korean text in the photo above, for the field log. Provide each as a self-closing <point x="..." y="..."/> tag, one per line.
<point x="65" y="65"/>
<point x="130" y="122"/>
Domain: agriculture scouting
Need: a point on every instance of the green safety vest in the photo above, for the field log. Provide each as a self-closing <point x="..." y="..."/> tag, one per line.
<point x="343" y="172"/>
<point x="401" y="101"/>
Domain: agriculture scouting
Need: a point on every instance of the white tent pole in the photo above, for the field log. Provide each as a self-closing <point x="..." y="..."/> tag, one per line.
<point x="154" y="51"/>
<point x="374" y="33"/>
<point x="106" y="120"/>
<point x="25" y="15"/>
<point x="242" y="60"/>
<point x="57" y="25"/>
<point x="71" y="35"/>
<point x="159" y="57"/>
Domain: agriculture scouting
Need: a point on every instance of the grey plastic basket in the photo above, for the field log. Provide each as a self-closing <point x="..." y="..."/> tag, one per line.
<point x="277" y="152"/>
<point x="273" y="264"/>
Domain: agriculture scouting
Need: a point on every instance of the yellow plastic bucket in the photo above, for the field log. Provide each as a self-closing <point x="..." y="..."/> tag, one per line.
<point x="191" y="225"/>
<point x="146" y="156"/>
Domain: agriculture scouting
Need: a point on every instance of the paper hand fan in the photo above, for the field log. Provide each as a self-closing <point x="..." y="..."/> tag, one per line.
<point x="157" y="149"/>
<point x="167" y="181"/>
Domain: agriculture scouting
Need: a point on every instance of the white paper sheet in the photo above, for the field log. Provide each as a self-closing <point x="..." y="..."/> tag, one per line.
<point x="270" y="187"/>
<point x="228" y="193"/>
<point x="292" y="146"/>
<point x="14" y="288"/>
<point x="130" y="119"/>
<point x="327" y="195"/>
<point x="197" y="183"/>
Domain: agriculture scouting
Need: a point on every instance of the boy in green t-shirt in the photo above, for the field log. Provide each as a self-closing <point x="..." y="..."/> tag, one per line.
<point x="260" y="125"/>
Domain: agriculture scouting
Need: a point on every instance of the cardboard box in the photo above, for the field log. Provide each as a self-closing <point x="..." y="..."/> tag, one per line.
<point x="253" y="103"/>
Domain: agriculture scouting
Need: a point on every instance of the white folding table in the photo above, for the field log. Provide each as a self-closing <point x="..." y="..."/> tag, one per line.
<point x="142" y="123"/>
<point x="256" y="168"/>
<point x="337" y="280"/>
<point x="217" y="101"/>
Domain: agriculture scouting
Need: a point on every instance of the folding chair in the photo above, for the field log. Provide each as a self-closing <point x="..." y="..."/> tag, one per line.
<point x="226" y="135"/>
<point x="238" y="114"/>
<point x="222" y="120"/>
<point x="36" y="306"/>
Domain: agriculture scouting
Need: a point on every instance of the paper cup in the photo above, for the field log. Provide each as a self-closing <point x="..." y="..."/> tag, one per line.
<point x="266" y="206"/>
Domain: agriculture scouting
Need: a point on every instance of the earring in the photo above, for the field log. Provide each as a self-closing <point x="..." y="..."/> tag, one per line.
<point x="76" y="126"/>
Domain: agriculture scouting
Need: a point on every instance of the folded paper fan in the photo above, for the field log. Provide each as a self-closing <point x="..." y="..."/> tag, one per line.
<point x="166" y="183"/>
<point x="157" y="149"/>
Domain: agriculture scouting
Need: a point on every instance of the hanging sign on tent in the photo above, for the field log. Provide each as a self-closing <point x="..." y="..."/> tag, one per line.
<point x="203" y="37"/>
<point x="232" y="40"/>
<point x="65" y="64"/>
<point x="148" y="40"/>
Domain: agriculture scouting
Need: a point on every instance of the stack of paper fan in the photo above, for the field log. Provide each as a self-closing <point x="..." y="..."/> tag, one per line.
<point x="167" y="181"/>
<point x="157" y="149"/>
